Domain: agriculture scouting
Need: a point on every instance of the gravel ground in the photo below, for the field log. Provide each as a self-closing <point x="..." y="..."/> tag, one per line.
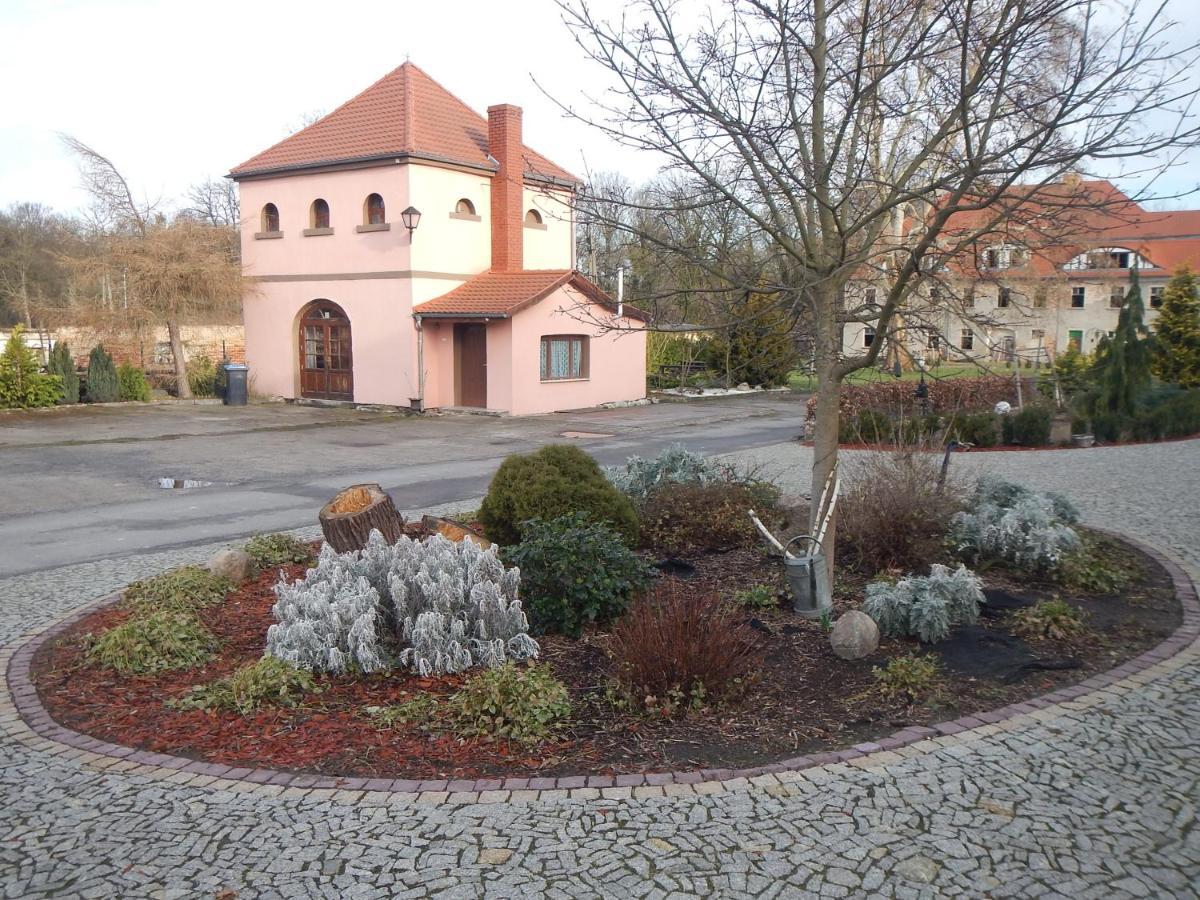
<point x="1095" y="799"/>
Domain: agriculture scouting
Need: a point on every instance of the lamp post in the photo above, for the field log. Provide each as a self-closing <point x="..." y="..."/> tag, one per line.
<point x="411" y="218"/>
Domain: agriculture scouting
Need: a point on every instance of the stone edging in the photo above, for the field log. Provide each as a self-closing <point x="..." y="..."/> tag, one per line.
<point x="115" y="757"/>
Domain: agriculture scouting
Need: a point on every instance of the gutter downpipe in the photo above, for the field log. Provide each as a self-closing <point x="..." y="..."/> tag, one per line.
<point x="419" y="402"/>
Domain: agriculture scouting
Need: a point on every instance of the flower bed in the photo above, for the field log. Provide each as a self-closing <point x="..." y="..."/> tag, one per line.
<point x="801" y="699"/>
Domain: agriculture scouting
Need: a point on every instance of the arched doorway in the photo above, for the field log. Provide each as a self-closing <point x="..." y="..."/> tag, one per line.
<point x="326" y="360"/>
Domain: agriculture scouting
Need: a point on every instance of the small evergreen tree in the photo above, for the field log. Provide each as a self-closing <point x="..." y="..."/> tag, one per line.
<point x="758" y="346"/>
<point x="102" y="383"/>
<point x="1176" y="349"/>
<point x="1123" y="362"/>
<point x="22" y="386"/>
<point x="133" y="383"/>
<point x="62" y="364"/>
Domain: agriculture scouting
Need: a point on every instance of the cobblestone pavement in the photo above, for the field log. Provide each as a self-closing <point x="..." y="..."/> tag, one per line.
<point x="1095" y="797"/>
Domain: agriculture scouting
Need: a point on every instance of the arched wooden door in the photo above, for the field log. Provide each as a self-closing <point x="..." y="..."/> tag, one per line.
<point x="326" y="358"/>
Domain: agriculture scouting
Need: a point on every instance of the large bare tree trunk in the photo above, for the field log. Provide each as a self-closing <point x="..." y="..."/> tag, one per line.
<point x="182" y="388"/>
<point x="825" y="456"/>
<point x="25" y="301"/>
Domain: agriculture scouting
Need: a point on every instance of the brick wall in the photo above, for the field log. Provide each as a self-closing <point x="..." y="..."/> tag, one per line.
<point x="504" y="144"/>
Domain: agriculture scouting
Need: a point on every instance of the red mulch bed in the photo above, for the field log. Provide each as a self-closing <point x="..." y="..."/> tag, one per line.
<point x="804" y="699"/>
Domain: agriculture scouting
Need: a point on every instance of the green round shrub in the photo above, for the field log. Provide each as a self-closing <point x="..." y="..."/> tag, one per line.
<point x="574" y="572"/>
<point x="556" y="480"/>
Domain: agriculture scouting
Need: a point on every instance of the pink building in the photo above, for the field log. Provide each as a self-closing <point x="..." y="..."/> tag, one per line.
<point x="404" y="250"/>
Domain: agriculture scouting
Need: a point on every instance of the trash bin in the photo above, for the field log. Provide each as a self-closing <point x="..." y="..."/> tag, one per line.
<point x="236" y="389"/>
<point x="809" y="579"/>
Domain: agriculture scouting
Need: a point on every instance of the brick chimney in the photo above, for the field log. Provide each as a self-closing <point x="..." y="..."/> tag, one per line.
<point x="504" y="144"/>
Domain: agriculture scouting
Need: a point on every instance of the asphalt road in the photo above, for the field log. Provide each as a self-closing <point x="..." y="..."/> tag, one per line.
<point x="82" y="485"/>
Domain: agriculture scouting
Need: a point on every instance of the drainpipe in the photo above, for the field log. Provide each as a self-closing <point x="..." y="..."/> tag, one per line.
<point x="418" y="403"/>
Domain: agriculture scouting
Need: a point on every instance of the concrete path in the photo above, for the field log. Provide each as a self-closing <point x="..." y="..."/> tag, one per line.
<point x="1097" y="797"/>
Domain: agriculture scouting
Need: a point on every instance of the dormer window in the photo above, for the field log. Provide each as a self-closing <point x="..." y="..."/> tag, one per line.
<point x="373" y="210"/>
<point x="464" y="207"/>
<point x="1003" y="256"/>
<point x="533" y="219"/>
<point x="1108" y="258"/>
<point x="270" y="218"/>
<point x="318" y="214"/>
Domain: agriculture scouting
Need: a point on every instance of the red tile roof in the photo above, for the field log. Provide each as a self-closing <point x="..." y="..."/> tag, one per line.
<point x="404" y="113"/>
<point x="503" y="294"/>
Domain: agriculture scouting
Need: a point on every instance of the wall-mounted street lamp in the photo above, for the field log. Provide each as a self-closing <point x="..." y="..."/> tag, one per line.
<point x="411" y="218"/>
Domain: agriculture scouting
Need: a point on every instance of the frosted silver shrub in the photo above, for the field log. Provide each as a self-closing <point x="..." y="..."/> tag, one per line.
<point x="453" y="606"/>
<point x="328" y="621"/>
<point x="1010" y="522"/>
<point x="673" y="465"/>
<point x="925" y="606"/>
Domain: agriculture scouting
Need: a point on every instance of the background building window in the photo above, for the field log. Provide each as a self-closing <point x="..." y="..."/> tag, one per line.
<point x="1156" y="297"/>
<point x="969" y="297"/>
<point x="1005" y="298"/>
<point x="1075" y="340"/>
<point x="374" y="212"/>
<point x="464" y="207"/>
<point x="967" y="342"/>
<point x="318" y="214"/>
<point x="270" y="218"/>
<point x="868" y="336"/>
<point x="564" y="356"/>
<point x="1116" y="296"/>
<point x="1077" y="297"/>
<point x="533" y="217"/>
<point x="1039" y="298"/>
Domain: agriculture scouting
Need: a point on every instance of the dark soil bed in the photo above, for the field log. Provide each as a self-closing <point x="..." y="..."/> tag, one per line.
<point x="803" y="699"/>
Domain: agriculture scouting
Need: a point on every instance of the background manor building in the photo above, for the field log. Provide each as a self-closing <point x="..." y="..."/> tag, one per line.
<point x="405" y="250"/>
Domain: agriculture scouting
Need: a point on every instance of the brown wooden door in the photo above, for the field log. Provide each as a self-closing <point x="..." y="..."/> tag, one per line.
<point x="326" y="357"/>
<point x="470" y="370"/>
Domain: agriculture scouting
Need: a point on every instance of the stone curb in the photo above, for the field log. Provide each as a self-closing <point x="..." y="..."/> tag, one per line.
<point x="270" y="782"/>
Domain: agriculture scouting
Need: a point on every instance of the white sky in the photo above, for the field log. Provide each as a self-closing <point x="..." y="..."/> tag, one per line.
<point x="177" y="92"/>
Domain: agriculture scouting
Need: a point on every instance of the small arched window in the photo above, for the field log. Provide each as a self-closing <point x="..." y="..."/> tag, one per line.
<point x="464" y="207"/>
<point x="270" y="218"/>
<point x="318" y="215"/>
<point x="373" y="210"/>
<point x="533" y="217"/>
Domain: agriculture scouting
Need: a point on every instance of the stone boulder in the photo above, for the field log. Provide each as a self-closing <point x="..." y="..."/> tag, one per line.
<point x="854" y="635"/>
<point x="234" y="564"/>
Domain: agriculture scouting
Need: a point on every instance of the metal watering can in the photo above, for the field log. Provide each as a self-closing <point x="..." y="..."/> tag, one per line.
<point x="808" y="577"/>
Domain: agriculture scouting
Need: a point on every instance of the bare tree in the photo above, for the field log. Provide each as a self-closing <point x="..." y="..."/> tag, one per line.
<point x="31" y="238"/>
<point x="170" y="272"/>
<point x="849" y="137"/>
<point x="214" y="202"/>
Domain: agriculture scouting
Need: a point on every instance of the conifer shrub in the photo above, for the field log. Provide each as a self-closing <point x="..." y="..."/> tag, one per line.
<point x="185" y="589"/>
<point x="556" y="480"/>
<point x="22" y="386"/>
<point x="575" y="572"/>
<point x="1029" y="427"/>
<point x="677" y="648"/>
<point x="156" y="642"/>
<point x="102" y="384"/>
<point x="132" y="383"/>
<point x="1176" y="348"/>
<point x="520" y="703"/>
<point x="925" y="606"/>
<point x="681" y="519"/>
<point x="266" y="682"/>
<point x="62" y="364"/>
<point x="269" y="550"/>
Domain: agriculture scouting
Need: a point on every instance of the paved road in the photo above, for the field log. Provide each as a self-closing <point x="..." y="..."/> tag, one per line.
<point x="1098" y="798"/>
<point x="82" y="484"/>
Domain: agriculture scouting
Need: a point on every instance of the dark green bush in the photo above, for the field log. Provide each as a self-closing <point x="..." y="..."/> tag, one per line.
<point x="62" y="364"/>
<point x="1109" y="427"/>
<point x="102" y="385"/>
<point x="1181" y="414"/>
<point x="1029" y="427"/>
<point x="980" y="429"/>
<point x="574" y="572"/>
<point x="133" y="383"/>
<point x="680" y="519"/>
<point x="556" y="480"/>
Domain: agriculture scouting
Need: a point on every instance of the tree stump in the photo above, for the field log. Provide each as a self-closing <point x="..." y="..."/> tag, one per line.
<point x="348" y="518"/>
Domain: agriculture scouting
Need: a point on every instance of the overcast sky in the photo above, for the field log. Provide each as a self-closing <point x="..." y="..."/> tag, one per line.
<point x="175" y="92"/>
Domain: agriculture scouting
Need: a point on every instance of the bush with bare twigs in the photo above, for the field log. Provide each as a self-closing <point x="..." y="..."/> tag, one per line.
<point x="676" y="648"/>
<point x="892" y="515"/>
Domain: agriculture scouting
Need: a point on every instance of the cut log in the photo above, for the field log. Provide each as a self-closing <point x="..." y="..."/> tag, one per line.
<point x="454" y="531"/>
<point x="347" y="519"/>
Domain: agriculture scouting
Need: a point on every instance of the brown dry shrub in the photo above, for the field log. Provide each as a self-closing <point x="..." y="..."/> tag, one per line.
<point x="677" y="648"/>
<point x="891" y="514"/>
<point x="700" y="518"/>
